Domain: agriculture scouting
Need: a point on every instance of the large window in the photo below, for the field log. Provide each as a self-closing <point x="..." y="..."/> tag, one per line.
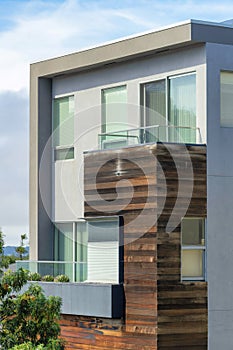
<point x="193" y="249"/>
<point x="226" y="99"/>
<point x="63" y="128"/>
<point x="90" y="250"/>
<point x="171" y="102"/>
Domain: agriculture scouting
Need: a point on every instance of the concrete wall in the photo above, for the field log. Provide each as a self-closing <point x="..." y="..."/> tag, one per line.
<point x="40" y="249"/>
<point x="87" y="299"/>
<point x="219" y="205"/>
<point x="87" y="86"/>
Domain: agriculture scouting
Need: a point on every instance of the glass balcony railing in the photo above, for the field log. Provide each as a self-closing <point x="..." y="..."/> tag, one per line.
<point x="76" y="271"/>
<point x="150" y="134"/>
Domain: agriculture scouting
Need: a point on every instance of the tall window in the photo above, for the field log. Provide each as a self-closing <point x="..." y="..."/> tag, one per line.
<point x="155" y="111"/>
<point x="171" y="101"/>
<point x="70" y="246"/>
<point x="64" y="251"/>
<point x="63" y="127"/>
<point x="193" y="249"/>
<point x="226" y="99"/>
<point x="114" y="109"/>
<point x="182" y="107"/>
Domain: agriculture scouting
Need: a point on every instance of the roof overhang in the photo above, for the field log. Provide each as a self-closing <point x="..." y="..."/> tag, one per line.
<point x="180" y="35"/>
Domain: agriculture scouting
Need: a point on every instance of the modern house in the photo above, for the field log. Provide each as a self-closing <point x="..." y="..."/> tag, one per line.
<point x="131" y="183"/>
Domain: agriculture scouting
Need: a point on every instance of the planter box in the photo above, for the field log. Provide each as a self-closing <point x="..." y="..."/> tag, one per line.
<point x="87" y="299"/>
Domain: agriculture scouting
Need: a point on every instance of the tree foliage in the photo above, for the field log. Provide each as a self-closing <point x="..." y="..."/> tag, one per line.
<point x="28" y="320"/>
<point x="21" y="250"/>
<point x="28" y="316"/>
<point x="4" y="260"/>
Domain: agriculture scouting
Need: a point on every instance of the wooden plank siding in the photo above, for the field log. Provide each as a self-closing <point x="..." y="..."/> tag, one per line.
<point x="141" y="184"/>
<point x="96" y="333"/>
<point x="182" y="306"/>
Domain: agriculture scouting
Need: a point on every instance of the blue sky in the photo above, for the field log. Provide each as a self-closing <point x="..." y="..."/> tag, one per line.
<point x="33" y="30"/>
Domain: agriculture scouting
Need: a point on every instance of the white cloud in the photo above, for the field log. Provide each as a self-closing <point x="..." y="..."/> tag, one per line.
<point x="45" y="29"/>
<point x="48" y="33"/>
<point x="14" y="164"/>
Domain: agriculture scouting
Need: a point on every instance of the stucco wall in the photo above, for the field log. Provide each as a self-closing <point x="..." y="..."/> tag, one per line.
<point x="219" y="205"/>
<point x="68" y="175"/>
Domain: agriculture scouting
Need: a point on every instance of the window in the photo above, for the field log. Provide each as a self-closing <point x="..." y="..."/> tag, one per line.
<point x="193" y="249"/>
<point x="63" y="128"/>
<point x="103" y="251"/>
<point x="173" y="102"/>
<point x="90" y="250"/>
<point x="114" y="109"/>
<point x="182" y="107"/>
<point x="155" y="112"/>
<point x="226" y="99"/>
<point x="64" y="251"/>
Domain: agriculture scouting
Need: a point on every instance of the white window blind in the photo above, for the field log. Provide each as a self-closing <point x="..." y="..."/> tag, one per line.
<point x="103" y="251"/>
<point x="103" y="262"/>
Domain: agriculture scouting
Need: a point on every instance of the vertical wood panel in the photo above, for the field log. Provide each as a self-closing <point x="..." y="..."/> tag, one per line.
<point x="182" y="306"/>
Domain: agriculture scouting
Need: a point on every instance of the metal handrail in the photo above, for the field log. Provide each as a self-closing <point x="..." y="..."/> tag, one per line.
<point x="149" y="127"/>
<point x="127" y="133"/>
<point x="50" y="261"/>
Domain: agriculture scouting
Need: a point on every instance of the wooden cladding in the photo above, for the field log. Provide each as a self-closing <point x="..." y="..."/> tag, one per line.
<point x="152" y="187"/>
<point x="182" y="306"/>
<point x="95" y="334"/>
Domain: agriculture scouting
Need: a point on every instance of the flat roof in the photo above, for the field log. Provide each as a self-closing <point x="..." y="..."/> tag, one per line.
<point x="181" y="34"/>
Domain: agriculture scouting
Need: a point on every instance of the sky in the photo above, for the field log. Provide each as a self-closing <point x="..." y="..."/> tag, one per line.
<point x="34" y="30"/>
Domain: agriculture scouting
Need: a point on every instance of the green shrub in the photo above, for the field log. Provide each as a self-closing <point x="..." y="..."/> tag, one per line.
<point x="47" y="278"/>
<point x="34" y="276"/>
<point x="61" y="278"/>
<point x="27" y="346"/>
<point x="52" y="345"/>
<point x="30" y="319"/>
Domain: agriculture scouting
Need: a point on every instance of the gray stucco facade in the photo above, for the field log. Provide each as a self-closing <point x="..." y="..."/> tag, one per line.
<point x="219" y="204"/>
<point x="194" y="46"/>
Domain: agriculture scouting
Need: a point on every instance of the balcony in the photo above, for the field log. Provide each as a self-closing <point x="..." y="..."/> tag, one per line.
<point x="150" y="134"/>
<point x="80" y="296"/>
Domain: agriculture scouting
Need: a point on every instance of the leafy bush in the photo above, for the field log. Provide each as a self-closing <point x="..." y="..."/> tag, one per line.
<point x="47" y="278"/>
<point x="52" y="345"/>
<point x="61" y="278"/>
<point x="34" y="276"/>
<point x="30" y="317"/>
<point x="27" y="346"/>
<point x="28" y="321"/>
<point x="12" y="281"/>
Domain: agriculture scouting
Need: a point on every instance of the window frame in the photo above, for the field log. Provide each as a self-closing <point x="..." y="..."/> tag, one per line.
<point x="202" y="248"/>
<point x="74" y="236"/>
<point x="103" y="114"/>
<point x="166" y="79"/>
